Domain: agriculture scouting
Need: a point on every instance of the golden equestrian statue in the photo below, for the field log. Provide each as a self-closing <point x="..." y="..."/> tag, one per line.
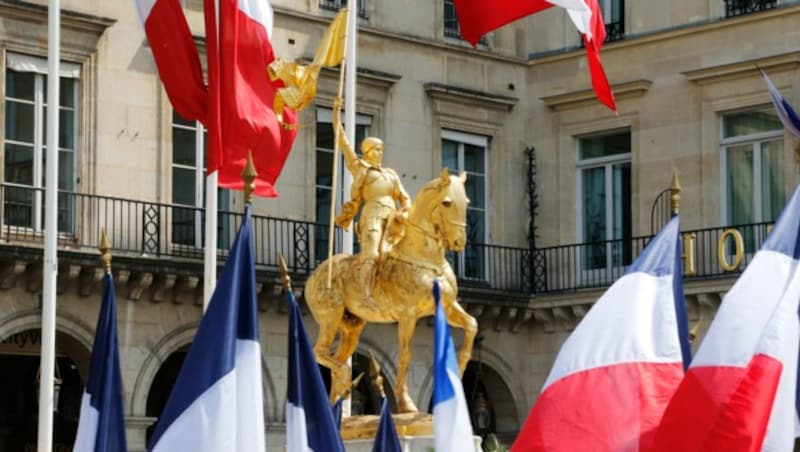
<point x="407" y="246"/>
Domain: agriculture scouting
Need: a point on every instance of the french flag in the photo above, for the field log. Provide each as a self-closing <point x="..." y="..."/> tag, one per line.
<point x="478" y="17"/>
<point x="616" y="372"/>
<point x="739" y="394"/>
<point x="241" y="116"/>
<point x="310" y="425"/>
<point x="452" y="429"/>
<point x="175" y="55"/>
<point x="216" y="404"/>
<point x="102" y="423"/>
<point x="785" y="111"/>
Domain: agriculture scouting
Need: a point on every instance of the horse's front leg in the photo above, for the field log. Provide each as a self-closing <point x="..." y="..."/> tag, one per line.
<point x="457" y="317"/>
<point x="405" y="333"/>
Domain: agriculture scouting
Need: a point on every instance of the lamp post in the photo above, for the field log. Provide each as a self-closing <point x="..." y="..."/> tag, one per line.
<point x="57" y="382"/>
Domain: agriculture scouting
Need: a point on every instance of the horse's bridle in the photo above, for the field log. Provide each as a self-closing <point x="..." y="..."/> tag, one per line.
<point x="448" y="221"/>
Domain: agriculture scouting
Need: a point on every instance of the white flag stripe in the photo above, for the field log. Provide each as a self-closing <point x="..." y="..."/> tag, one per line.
<point x="571" y="5"/>
<point x="582" y="21"/>
<point x="222" y="418"/>
<point x="452" y="426"/>
<point x="87" y="428"/>
<point x="778" y="102"/>
<point x="260" y="11"/>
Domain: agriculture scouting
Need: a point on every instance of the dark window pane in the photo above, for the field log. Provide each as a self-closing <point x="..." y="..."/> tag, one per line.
<point x="66" y="129"/>
<point x="18" y="205"/>
<point x="450" y="155"/>
<point x="66" y="92"/>
<point x="19" y="85"/>
<point x="606" y="145"/>
<point x="474" y="159"/>
<point x="183" y="186"/>
<point x="324" y="168"/>
<point x="476" y="190"/>
<point x="19" y="121"/>
<point x="178" y="119"/>
<point x="19" y="164"/>
<point x="183" y="147"/>
<point x="66" y="170"/>
<point x="324" y="135"/>
<point x="750" y="122"/>
<point x="323" y="205"/>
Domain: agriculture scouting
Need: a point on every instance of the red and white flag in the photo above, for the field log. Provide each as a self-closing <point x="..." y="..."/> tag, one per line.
<point x="740" y="392"/>
<point x="242" y="97"/>
<point x="478" y="17"/>
<point x="175" y="55"/>
<point x="616" y="372"/>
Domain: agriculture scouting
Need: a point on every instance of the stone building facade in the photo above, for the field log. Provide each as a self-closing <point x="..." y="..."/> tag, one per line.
<point x="563" y="192"/>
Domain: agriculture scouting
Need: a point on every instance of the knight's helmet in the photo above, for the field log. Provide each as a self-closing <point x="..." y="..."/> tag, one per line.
<point x="369" y="143"/>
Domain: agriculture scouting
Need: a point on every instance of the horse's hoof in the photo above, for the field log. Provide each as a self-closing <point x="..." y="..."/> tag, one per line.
<point x="406" y="406"/>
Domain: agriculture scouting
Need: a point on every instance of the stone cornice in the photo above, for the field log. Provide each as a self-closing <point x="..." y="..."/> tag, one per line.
<point x="440" y="91"/>
<point x="585" y="97"/>
<point x="32" y="12"/>
<point x="740" y="69"/>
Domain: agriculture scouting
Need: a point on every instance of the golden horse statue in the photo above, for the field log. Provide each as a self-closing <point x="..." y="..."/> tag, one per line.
<point x="401" y="289"/>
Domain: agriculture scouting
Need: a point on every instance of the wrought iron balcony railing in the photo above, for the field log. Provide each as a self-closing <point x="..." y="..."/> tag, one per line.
<point x="740" y="7"/>
<point x="335" y="5"/>
<point x="158" y="230"/>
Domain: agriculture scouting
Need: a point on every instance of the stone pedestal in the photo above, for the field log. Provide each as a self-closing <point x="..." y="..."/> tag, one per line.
<point x="408" y="443"/>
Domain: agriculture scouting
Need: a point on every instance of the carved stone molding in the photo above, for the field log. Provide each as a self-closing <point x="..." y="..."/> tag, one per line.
<point x="33" y="277"/>
<point x="10" y="271"/>
<point x="164" y="283"/>
<point x="66" y="274"/>
<point x="138" y="283"/>
<point x="88" y="280"/>
<point x="185" y="289"/>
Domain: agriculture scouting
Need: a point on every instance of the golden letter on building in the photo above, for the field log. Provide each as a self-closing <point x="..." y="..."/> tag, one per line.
<point x="739" y="253"/>
<point x="689" y="260"/>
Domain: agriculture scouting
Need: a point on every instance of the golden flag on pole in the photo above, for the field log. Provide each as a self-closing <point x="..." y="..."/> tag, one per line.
<point x="300" y="80"/>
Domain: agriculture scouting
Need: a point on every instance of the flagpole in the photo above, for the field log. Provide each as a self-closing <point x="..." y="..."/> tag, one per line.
<point x="210" y="257"/>
<point x="50" y="265"/>
<point x="212" y="210"/>
<point x="350" y="130"/>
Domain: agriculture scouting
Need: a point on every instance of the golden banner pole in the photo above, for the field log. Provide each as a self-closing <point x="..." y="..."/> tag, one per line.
<point x="337" y="104"/>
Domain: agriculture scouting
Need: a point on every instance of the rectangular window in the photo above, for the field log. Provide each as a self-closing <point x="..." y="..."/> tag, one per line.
<point x="324" y="175"/>
<point x="752" y="158"/>
<point x="739" y="7"/>
<point x="189" y="188"/>
<point x="335" y="5"/>
<point x="25" y="142"/>
<point x="614" y="16"/>
<point x="467" y="153"/>
<point x="604" y="166"/>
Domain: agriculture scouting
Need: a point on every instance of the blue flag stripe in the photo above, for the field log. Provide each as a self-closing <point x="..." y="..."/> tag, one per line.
<point x="305" y="388"/>
<point x="231" y="315"/>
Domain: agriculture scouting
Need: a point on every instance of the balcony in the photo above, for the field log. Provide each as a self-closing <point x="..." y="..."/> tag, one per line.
<point x="172" y="236"/>
<point x="735" y="8"/>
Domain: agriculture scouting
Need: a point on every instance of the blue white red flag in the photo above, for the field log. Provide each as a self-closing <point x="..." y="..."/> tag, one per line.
<point x="102" y="423"/>
<point x="616" y="372"/>
<point x="309" y="419"/>
<point x="740" y="392"/>
<point x="386" y="439"/>
<point x="452" y="429"/>
<point x="217" y="404"/>
<point x="785" y="111"/>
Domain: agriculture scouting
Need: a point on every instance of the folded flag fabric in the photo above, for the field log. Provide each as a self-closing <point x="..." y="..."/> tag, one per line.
<point x="101" y="427"/>
<point x="740" y="392"/>
<point x="216" y="404"/>
<point x="478" y="17"/>
<point x="785" y="111"/>
<point x="175" y="55"/>
<point x="616" y="372"/>
<point x="452" y="429"/>
<point x="386" y="439"/>
<point x="309" y="419"/>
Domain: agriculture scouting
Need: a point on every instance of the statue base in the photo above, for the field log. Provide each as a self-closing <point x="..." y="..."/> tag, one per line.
<point x="415" y="431"/>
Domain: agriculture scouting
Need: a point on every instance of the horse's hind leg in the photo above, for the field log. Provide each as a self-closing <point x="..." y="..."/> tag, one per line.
<point x="350" y="330"/>
<point x="457" y="317"/>
<point x="405" y="334"/>
<point x="322" y="350"/>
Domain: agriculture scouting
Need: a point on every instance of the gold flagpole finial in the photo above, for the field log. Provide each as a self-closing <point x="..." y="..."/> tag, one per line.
<point x="285" y="278"/>
<point x="675" y="193"/>
<point x="105" y="251"/>
<point x="249" y="175"/>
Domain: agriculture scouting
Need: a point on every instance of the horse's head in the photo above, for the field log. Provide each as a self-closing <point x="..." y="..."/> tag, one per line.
<point x="449" y="214"/>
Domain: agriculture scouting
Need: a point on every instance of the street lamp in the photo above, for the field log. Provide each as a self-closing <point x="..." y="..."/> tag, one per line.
<point x="57" y="381"/>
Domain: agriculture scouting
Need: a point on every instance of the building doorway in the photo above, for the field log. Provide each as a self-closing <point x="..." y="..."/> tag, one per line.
<point x="19" y="390"/>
